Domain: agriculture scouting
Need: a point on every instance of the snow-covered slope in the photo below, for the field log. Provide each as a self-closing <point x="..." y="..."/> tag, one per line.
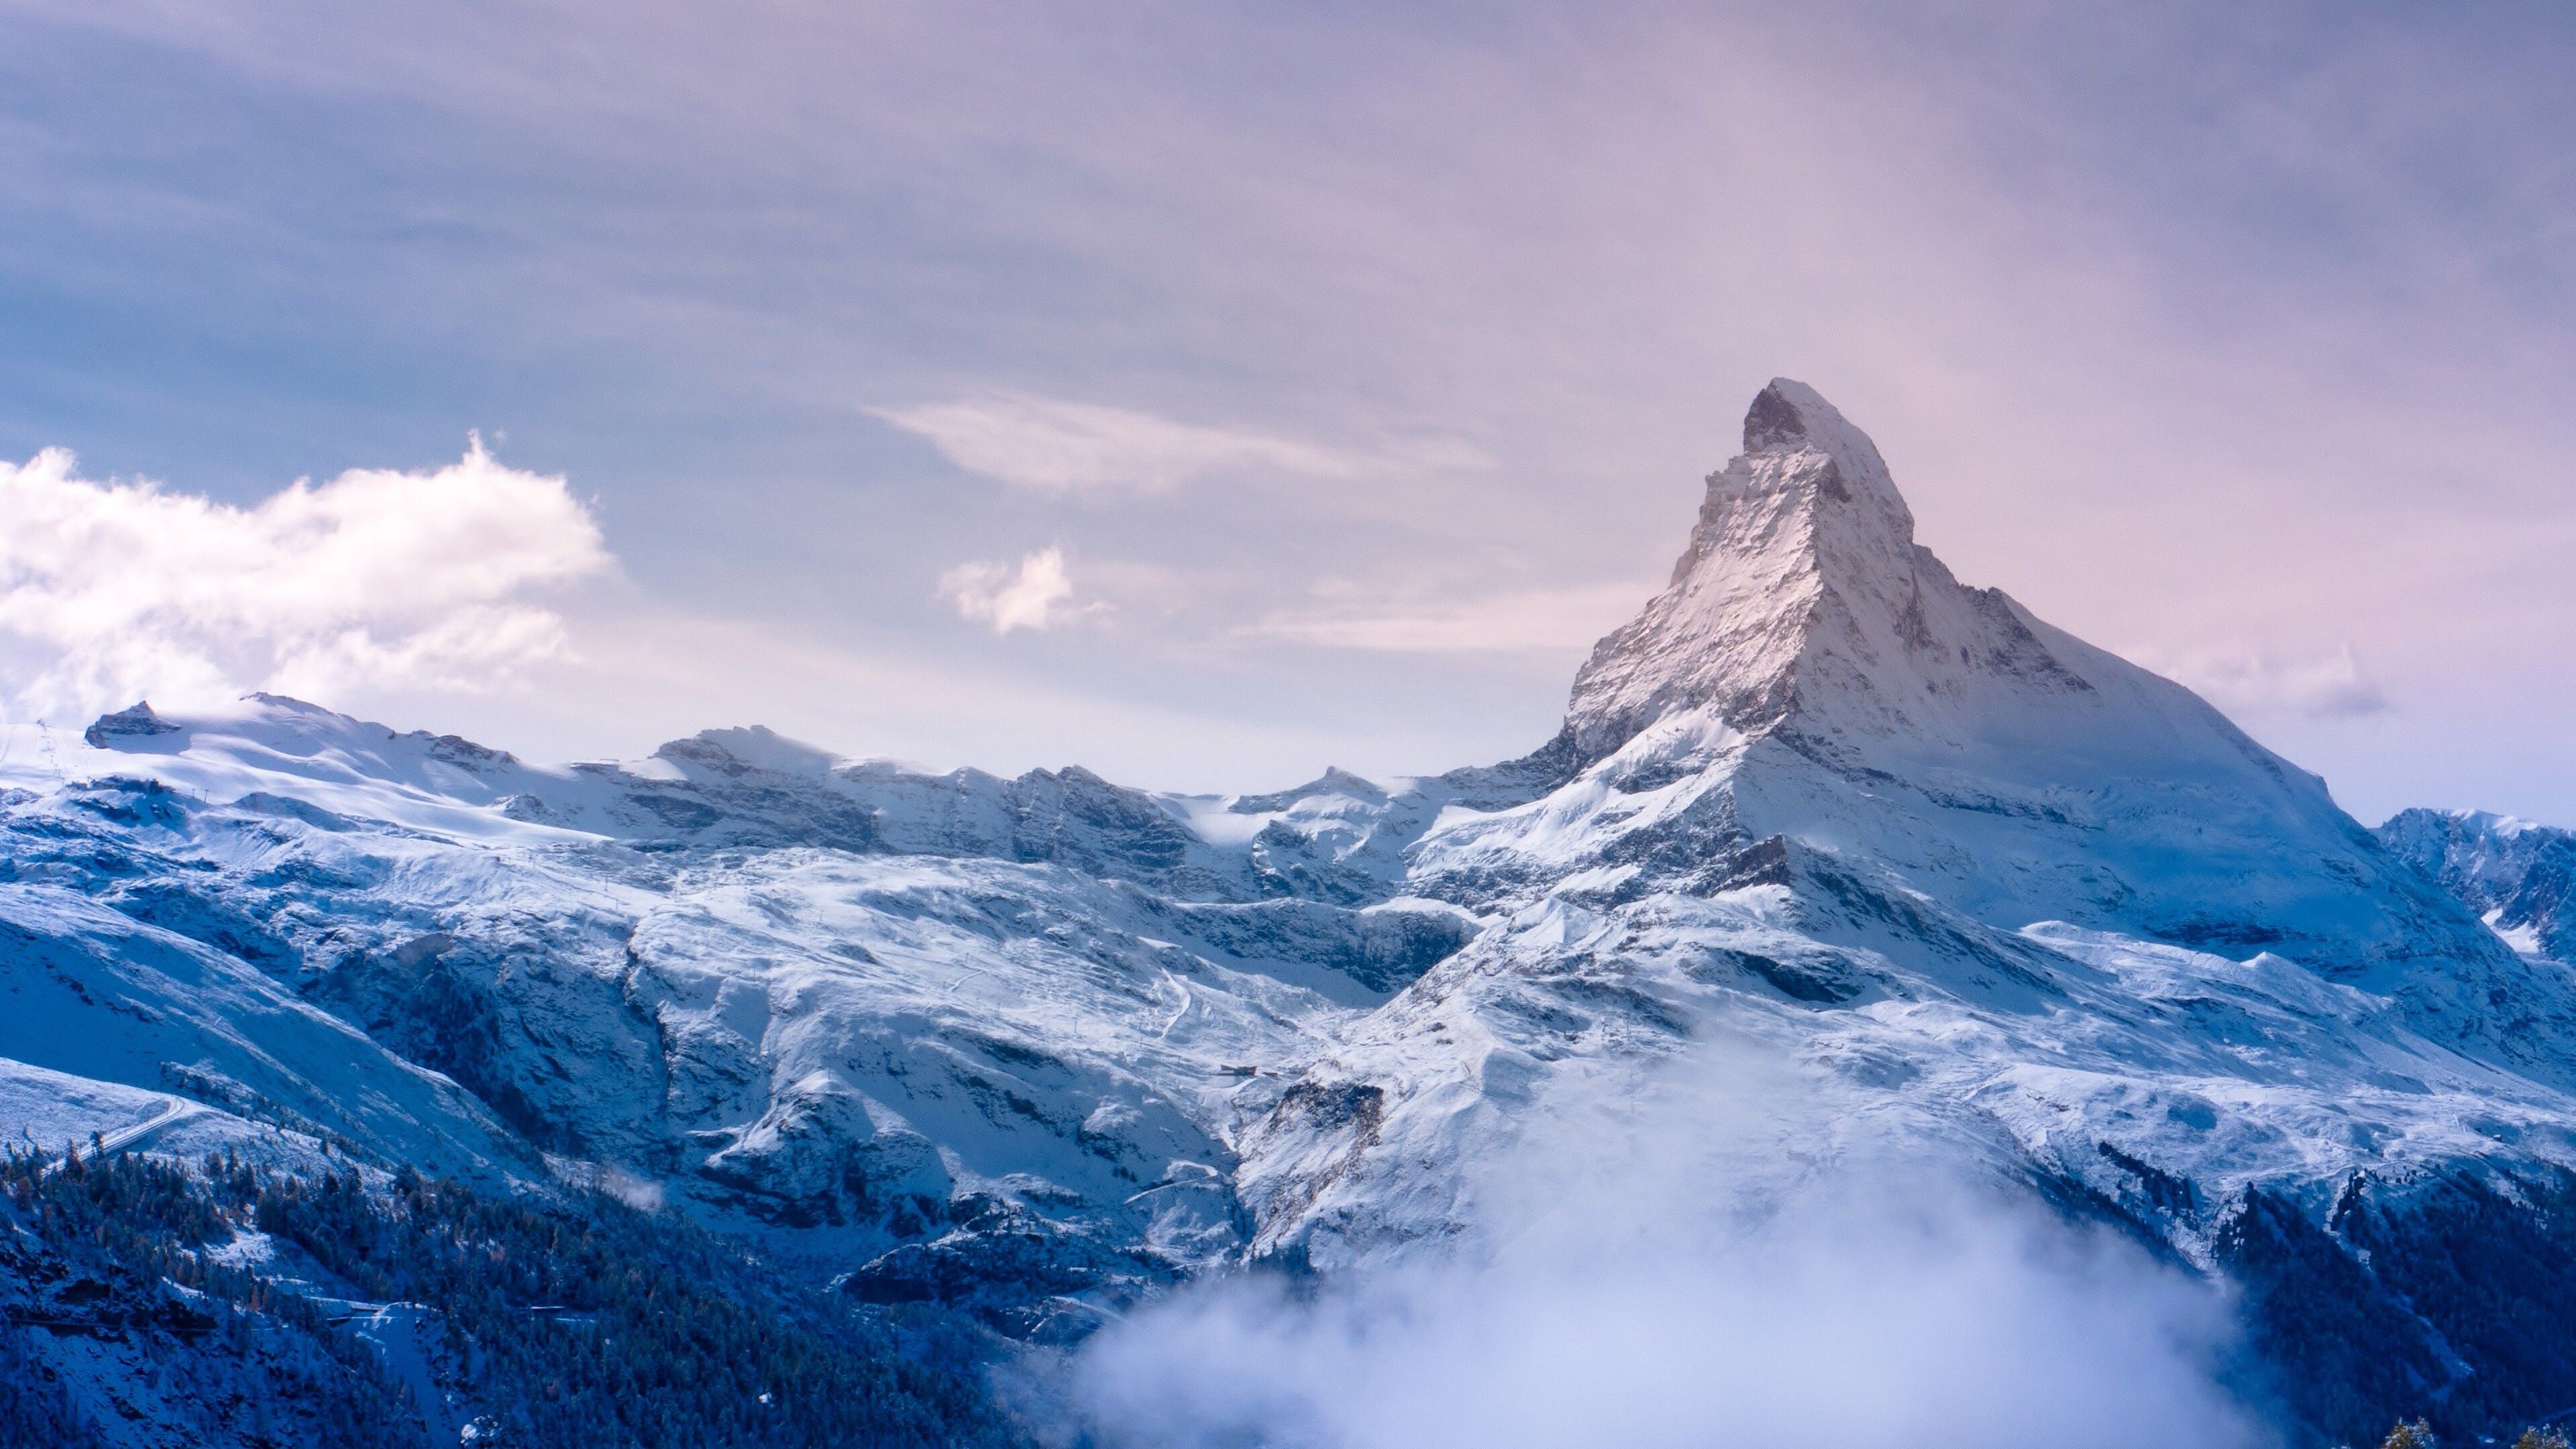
<point x="1875" y="706"/>
<point x="956" y="1033"/>
<point x="1822" y="794"/>
<point x="1022" y="1046"/>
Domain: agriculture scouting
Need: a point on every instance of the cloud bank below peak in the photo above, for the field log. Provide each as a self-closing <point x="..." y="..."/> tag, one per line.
<point x="1653" y="1265"/>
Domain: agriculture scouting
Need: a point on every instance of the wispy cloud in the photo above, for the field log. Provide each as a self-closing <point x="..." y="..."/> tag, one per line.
<point x="2323" y="686"/>
<point x="114" y="590"/>
<point x="1052" y="446"/>
<point x="1532" y="620"/>
<point x="1036" y="594"/>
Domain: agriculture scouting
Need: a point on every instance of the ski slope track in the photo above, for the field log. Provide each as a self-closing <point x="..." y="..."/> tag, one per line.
<point x="1031" y="1047"/>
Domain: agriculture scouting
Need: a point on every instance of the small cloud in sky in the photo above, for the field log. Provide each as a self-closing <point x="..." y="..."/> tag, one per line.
<point x="1052" y="446"/>
<point x="1533" y="621"/>
<point x="110" y="591"/>
<point x="2319" y="686"/>
<point x="1035" y="594"/>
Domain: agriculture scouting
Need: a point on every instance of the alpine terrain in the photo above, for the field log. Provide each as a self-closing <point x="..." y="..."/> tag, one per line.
<point x="954" y="1063"/>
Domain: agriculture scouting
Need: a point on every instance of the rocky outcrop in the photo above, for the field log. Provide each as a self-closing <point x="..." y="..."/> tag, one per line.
<point x="2519" y="877"/>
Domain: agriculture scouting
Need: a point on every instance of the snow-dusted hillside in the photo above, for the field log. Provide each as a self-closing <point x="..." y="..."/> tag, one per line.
<point x="961" y="1017"/>
<point x="1026" y="1046"/>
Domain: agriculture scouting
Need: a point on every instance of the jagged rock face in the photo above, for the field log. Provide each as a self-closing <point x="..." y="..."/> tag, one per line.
<point x="1028" y="1046"/>
<point x="2519" y="877"/>
<point x="135" y="722"/>
<point x="1804" y="604"/>
<point x="1813" y="674"/>
<point x="1803" y="556"/>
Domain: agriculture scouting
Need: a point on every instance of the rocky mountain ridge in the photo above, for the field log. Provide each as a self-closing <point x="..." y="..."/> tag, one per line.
<point x="1030" y="1048"/>
<point x="2518" y="876"/>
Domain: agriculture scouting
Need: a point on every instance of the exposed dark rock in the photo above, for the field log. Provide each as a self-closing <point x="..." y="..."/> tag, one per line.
<point x="133" y="723"/>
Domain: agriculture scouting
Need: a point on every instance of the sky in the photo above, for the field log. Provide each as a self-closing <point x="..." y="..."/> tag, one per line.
<point x="1206" y="394"/>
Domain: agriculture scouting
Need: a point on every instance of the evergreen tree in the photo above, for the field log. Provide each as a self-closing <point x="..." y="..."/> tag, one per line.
<point x="566" y="1322"/>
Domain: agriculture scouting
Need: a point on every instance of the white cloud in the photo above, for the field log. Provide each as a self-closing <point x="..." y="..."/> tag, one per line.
<point x="1036" y="595"/>
<point x="2326" y="686"/>
<point x="1727" y="1255"/>
<point x="1053" y="446"/>
<point x="1535" y="621"/>
<point x="115" y="591"/>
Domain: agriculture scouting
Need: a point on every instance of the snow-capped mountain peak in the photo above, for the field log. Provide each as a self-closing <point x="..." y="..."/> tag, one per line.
<point x="1803" y="597"/>
<point x="1788" y="417"/>
<point x="1024" y="1047"/>
<point x="1817" y="701"/>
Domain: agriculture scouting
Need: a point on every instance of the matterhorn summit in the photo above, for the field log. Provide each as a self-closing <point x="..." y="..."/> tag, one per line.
<point x="1027" y="1051"/>
<point x="1802" y="577"/>
<point x="1804" y="609"/>
<point x="1844" y="695"/>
